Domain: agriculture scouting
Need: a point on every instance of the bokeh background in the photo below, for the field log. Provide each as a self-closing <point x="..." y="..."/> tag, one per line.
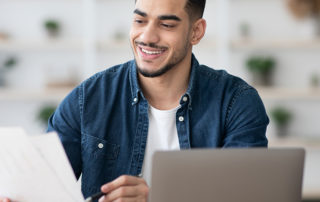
<point x="49" y="46"/>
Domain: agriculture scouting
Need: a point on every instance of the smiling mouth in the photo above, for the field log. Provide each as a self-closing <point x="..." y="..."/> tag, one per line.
<point x="151" y="54"/>
<point x="150" y="51"/>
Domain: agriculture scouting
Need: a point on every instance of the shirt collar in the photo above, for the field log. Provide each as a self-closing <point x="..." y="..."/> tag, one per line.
<point x="190" y="91"/>
<point x="133" y="78"/>
<point x="136" y="90"/>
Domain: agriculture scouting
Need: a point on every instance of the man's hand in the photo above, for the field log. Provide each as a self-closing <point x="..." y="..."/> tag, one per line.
<point x="125" y="189"/>
<point x="4" y="199"/>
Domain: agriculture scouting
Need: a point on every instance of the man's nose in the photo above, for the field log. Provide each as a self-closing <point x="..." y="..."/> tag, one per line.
<point x="150" y="35"/>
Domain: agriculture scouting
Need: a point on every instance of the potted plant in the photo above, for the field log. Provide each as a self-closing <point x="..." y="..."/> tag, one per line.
<point x="45" y="112"/>
<point x="281" y="117"/>
<point x="52" y="27"/>
<point x="314" y="80"/>
<point x="8" y="64"/>
<point x="244" y="29"/>
<point x="261" y="69"/>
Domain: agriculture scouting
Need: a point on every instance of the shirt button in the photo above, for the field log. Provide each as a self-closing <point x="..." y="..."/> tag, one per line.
<point x="185" y="99"/>
<point x="181" y="118"/>
<point x="100" y="145"/>
<point x="135" y="100"/>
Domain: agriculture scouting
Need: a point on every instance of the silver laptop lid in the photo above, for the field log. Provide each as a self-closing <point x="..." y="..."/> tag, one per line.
<point x="227" y="175"/>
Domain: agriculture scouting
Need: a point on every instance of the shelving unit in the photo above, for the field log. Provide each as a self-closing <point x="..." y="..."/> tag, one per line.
<point x="220" y="46"/>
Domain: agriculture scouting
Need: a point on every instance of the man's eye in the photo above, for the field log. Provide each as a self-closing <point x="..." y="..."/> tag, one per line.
<point x="167" y="25"/>
<point x="138" y="21"/>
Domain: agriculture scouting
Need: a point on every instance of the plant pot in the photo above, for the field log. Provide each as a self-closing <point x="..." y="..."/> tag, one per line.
<point x="2" y="78"/>
<point x="53" y="33"/>
<point x="262" y="79"/>
<point x="282" y="130"/>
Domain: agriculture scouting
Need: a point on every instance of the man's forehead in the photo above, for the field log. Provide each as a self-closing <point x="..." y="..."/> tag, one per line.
<point x="161" y="7"/>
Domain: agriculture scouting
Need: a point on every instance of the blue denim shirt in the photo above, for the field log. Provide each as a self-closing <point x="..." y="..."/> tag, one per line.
<point x="103" y="123"/>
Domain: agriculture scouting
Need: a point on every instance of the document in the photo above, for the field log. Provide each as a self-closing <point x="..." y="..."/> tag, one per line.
<point x="35" y="168"/>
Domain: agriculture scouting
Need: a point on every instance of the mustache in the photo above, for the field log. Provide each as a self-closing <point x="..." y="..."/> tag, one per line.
<point x="151" y="45"/>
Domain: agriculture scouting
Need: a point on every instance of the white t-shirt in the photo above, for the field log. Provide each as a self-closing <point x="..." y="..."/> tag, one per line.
<point x="162" y="135"/>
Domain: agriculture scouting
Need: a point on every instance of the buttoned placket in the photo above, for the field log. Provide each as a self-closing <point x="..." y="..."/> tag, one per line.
<point x="182" y="122"/>
<point x="141" y="134"/>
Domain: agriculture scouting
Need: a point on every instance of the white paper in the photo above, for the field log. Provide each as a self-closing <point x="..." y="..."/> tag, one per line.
<point x="35" y="168"/>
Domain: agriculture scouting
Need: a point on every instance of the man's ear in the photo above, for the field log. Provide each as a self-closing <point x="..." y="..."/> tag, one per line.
<point x="198" y="31"/>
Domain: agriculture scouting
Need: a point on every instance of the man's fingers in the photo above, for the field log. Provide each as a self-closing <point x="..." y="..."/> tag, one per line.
<point x="125" y="188"/>
<point x="121" y="192"/>
<point x="124" y="180"/>
<point x="140" y="191"/>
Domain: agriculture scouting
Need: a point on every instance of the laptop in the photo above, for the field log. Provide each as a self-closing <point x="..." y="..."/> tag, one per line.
<point x="227" y="175"/>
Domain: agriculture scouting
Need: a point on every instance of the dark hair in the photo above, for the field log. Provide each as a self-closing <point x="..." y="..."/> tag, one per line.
<point x="195" y="8"/>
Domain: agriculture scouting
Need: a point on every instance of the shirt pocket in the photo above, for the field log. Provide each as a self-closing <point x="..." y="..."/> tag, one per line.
<point x="98" y="148"/>
<point x="99" y="162"/>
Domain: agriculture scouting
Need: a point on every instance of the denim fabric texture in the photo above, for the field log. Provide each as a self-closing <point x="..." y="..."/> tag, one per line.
<point x="103" y="123"/>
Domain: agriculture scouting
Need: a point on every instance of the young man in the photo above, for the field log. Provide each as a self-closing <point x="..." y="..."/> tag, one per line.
<point x="111" y="124"/>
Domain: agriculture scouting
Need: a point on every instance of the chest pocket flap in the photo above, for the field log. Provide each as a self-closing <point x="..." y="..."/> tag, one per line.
<point x="99" y="148"/>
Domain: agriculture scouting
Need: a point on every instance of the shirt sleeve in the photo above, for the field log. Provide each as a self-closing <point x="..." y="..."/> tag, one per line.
<point x="246" y="120"/>
<point x="66" y="121"/>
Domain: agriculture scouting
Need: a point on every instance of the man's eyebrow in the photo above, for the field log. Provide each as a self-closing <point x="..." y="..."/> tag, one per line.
<point x="161" y="17"/>
<point x="138" y="12"/>
<point x="169" y="17"/>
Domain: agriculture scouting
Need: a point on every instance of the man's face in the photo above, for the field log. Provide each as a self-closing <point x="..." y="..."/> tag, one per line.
<point x="159" y="35"/>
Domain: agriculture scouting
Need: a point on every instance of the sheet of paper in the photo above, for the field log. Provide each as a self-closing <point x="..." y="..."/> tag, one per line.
<point x="35" y="169"/>
<point x="51" y="149"/>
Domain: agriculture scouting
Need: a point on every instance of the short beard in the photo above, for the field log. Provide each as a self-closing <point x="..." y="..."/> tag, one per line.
<point x="160" y="72"/>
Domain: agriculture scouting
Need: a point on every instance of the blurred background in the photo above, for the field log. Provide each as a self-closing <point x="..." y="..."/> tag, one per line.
<point x="47" y="47"/>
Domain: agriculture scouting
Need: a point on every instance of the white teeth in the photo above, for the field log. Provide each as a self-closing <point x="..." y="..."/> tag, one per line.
<point x="151" y="52"/>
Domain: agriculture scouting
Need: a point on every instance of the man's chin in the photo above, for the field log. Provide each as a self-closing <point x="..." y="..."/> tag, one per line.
<point x="154" y="73"/>
<point x="147" y="73"/>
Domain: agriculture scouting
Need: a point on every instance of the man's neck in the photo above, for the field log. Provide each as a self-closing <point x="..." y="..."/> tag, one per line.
<point x="164" y="92"/>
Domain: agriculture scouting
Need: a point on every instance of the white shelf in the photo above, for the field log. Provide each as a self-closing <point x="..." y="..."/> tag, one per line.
<point x="120" y="45"/>
<point x="60" y="45"/>
<point x="282" y="93"/>
<point x="207" y="44"/>
<point x="292" y="44"/>
<point x="50" y="94"/>
<point x="265" y="44"/>
<point x="311" y="194"/>
<point x="41" y="45"/>
<point x="306" y="143"/>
